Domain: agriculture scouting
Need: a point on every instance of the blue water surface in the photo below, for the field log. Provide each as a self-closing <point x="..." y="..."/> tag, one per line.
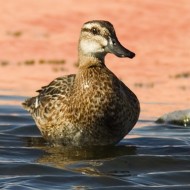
<point x="151" y="157"/>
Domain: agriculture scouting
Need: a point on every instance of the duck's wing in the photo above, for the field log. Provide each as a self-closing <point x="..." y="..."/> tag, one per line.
<point x="58" y="88"/>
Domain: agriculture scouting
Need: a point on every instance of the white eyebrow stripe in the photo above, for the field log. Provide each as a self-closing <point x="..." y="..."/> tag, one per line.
<point x="90" y="25"/>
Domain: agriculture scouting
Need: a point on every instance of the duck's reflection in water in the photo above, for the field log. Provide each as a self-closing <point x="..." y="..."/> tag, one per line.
<point x="79" y="159"/>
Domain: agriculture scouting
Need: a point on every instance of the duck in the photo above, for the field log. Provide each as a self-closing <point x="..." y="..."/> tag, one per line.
<point x="92" y="107"/>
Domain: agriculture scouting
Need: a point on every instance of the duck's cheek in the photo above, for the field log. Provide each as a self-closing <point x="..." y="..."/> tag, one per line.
<point x="89" y="47"/>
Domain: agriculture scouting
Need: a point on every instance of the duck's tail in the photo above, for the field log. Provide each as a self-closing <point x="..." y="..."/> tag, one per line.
<point x="30" y="104"/>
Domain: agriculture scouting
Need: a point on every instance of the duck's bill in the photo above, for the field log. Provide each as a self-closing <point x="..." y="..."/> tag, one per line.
<point x="116" y="48"/>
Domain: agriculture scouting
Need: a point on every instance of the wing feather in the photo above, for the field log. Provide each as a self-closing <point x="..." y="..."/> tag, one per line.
<point x="60" y="87"/>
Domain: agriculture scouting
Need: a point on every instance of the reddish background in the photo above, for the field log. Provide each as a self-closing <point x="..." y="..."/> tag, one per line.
<point x="157" y="31"/>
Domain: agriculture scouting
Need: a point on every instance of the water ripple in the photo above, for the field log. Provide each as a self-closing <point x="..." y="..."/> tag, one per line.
<point x="151" y="157"/>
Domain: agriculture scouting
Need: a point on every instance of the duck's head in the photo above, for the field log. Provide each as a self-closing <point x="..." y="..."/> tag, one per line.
<point x="99" y="38"/>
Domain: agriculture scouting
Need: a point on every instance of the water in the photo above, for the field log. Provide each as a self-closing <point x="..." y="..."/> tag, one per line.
<point x="152" y="156"/>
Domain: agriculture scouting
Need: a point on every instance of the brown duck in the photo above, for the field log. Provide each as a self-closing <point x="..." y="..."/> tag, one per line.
<point x="92" y="107"/>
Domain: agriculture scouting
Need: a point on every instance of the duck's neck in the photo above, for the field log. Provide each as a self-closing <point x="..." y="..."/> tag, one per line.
<point x="86" y="61"/>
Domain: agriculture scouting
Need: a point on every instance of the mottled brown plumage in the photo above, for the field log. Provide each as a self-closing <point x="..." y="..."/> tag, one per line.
<point x="92" y="107"/>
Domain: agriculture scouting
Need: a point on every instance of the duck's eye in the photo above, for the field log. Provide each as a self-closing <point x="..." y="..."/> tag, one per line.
<point x="95" y="31"/>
